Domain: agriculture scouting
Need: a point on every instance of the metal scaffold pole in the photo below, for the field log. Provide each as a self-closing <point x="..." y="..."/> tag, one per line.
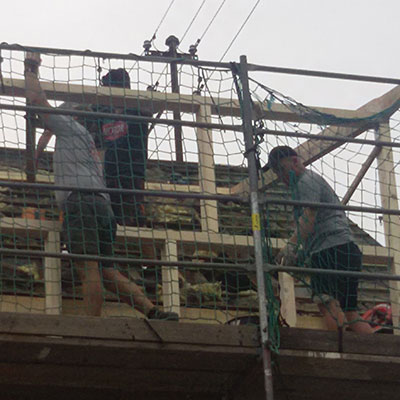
<point x="256" y="225"/>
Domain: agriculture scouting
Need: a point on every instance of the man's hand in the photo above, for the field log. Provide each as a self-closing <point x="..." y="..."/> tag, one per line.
<point x="32" y="63"/>
<point x="33" y="91"/>
<point x="288" y="255"/>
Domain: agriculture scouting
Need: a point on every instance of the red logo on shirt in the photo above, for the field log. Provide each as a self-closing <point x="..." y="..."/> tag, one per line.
<point x="115" y="130"/>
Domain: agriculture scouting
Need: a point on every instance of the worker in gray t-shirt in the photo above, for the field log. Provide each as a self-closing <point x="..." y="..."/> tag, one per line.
<point x="325" y="236"/>
<point x="89" y="225"/>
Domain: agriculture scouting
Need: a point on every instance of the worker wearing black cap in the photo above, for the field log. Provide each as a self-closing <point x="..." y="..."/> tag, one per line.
<point x="325" y="236"/>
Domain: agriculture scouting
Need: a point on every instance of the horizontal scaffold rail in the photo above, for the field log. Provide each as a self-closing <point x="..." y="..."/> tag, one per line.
<point x="41" y="228"/>
<point x="154" y="102"/>
<point x="200" y="63"/>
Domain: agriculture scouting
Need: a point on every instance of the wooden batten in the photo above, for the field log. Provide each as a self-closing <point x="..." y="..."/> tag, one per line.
<point x="170" y="278"/>
<point x="52" y="274"/>
<point x="288" y="299"/>
<point x="154" y="102"/>
<point x="312" y="150"/>
<point x="391" y="225"/>
<point x="207" y="183"/>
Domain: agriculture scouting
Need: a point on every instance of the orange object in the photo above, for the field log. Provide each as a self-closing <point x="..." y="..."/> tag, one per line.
<point x="33" y="213"/>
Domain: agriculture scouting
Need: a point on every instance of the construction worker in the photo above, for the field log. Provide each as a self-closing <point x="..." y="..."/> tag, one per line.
<point x="125" y="157"/>
<point x="326" y="237"/>
<point x="89" y="225"/>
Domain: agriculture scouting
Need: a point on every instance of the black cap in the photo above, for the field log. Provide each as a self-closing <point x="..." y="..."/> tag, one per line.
<point x="277" y="153"/>
<point x="117" y="78"/>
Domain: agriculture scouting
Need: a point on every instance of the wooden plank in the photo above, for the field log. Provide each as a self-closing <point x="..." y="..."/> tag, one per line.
<point x="170" y="278"/>
<point x="389" y="200"/>
<point x="168" y="187"/>
<point x="288" y="300"/>
<point x="52" y="274"/>
<point x="129" y="329"/>
<point x="312" y="150"/>
<point x="208" y="208"/>
<point x="34" y="392"/>
<point x="113" y="309"/>
<point x="339" y="365"/>
<point x="114" y="378"/>
<point x="21" y="391"/>
<point x="39" y="228"/>
<point x="328" y="341"/>
<point x="312" y="388"/>
<point x="133" y="355"/>
<point x="22" y="304"/>
<point x="155" y="101"/>
<point x="306" y="339"/>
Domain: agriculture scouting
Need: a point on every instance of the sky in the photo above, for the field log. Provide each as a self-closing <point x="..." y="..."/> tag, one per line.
<point x="349" y="36"/>
<point x="346" y="36"/>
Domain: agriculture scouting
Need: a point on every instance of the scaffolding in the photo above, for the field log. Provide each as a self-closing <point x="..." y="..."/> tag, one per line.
<point x="168" y="248"/>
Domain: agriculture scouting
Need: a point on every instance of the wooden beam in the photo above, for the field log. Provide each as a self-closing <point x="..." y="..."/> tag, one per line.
<point x="389" y="200"/>
<point x="155" y="101"/>
<point x="311" y="150"/>
<point x="208" y="208"/>
<point x="288" y="299"/>
<point x="52" y="274"/>
<point x="363" y="170"/>
<point x="169" y="187"/>
<point x="30" y="133"/>
<point x="128" y="329"/>
<point x="170" y="278"/>
<point x="40" y="229"/>
<point x="328" y="341"/>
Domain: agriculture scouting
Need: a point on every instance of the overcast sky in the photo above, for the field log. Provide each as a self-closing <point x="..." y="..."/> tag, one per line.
<point x="348" y="36"/>
<point x="353" y="36"/>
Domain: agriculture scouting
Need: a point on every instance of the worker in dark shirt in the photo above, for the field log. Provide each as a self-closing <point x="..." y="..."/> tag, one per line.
<point x="125" y="158"/>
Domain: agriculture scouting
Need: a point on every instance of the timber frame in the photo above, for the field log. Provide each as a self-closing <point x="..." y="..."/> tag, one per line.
<point x="204" y="108"/>
<point x="225" y="353"/>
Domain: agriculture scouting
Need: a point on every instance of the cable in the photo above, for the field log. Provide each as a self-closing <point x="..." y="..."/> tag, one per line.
<point x="212" y="20"/>
<point x="237" y="34"/>
<point x="162" y="20"/>
<point x="240" y="29"/>
<point x="193" y="19"/>
<point x="208" y="26"/>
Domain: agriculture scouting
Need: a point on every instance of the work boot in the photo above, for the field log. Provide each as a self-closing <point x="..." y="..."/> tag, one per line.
<point x="155" y="313"/>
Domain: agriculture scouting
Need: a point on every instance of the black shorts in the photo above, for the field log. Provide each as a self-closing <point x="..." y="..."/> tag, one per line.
<point x="346" y="257"/>
<point x="89" y="225"/>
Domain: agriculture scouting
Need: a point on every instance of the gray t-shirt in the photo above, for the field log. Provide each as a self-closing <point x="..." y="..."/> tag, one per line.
<point x="331" y="227"/>
<point x="76" y="162"/>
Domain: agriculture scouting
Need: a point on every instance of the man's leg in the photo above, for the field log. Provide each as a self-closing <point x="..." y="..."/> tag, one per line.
<point x="356" y="324"/>
<point x="127" y="291"/>
<point x="91" y="287"/>
<point x="333" y="315"/>
<point x="80" y="230"/>
<point x="133" y="295"/>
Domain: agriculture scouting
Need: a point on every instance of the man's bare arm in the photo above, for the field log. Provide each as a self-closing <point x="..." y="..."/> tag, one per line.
<point x="33" y="91"/>
<point x="42" y="144"/>
<point x="288" y="254"/>
<point x="305" y="226"/>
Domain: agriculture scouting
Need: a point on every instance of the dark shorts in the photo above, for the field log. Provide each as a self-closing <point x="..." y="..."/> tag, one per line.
<point x="89" y="225"/>
<point x="346" y="257"/>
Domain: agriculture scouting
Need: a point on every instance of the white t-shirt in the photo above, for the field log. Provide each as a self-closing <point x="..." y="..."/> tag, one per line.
<point x="76" y="162"/>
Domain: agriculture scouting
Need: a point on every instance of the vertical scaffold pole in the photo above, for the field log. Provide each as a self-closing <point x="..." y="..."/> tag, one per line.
<point x="256" y="224"/>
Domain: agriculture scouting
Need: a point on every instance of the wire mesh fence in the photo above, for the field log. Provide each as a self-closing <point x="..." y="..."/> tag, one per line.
<point x="177" y="250"/>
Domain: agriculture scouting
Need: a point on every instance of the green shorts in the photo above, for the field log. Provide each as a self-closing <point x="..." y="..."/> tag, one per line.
<point x="89" y="225"/>
<point x="345" y="257"/>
